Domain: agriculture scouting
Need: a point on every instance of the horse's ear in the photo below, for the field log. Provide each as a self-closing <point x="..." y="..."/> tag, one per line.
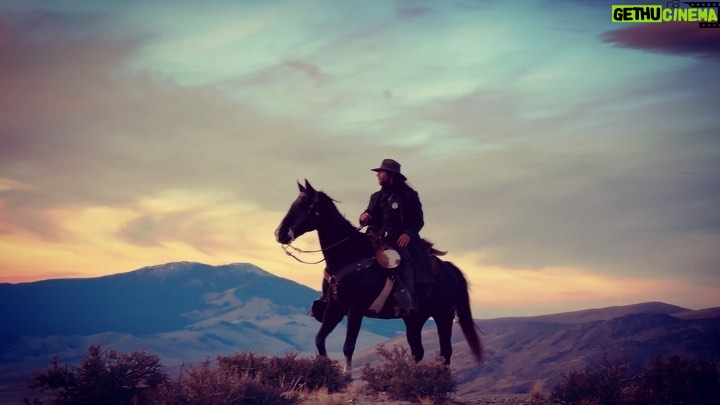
<point x="310" y="188"/>
<point x="300" y="187"/>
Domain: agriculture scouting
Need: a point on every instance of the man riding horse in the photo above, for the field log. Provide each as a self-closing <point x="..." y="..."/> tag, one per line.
<point x="352" y="283"/>
<point x="395" y="216"/>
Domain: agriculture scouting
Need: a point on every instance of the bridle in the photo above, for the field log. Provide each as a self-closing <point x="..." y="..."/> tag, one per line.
<point x="311" y="210"/>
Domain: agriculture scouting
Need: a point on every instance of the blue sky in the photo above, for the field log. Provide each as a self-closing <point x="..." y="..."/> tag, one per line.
<point x="564" y="161"/>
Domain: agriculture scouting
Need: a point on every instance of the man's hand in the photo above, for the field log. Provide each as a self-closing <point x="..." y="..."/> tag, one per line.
<point x="403" y="240"/>
<point x="364" y="217"/>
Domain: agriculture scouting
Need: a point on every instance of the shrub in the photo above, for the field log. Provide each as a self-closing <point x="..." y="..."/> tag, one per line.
<point x="289" y="371"/>
<point x="204" y="385"/>
<point x="678" y="381"/>
<point x="244" y="378"/>
<point x="103" y="377"/>
<point x="250" y="378"/>
<point x="664" y="382"/>
<point x="401" y="378"/>
<point x="605" y="385"/>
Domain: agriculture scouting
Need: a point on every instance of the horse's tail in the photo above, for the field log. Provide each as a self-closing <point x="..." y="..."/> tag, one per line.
<point x="464" y="316"/>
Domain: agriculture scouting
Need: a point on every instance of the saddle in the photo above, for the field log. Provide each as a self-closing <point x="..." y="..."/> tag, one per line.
<point x="389" y="258"/>
<point x="386" y="257"/>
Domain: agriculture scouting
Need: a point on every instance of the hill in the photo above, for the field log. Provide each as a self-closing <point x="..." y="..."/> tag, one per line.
<point x="183" y="312"/>
<point x="523" y="352"/>
<point x="187" y="312"/>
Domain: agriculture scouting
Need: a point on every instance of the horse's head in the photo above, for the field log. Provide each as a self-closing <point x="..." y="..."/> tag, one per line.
<point x="302" y="215"/>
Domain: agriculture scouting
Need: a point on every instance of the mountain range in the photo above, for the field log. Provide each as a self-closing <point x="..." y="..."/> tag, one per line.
<point x="187" y="312"/>
<point x="534" y="353"/>
<point x="183" y="312"/>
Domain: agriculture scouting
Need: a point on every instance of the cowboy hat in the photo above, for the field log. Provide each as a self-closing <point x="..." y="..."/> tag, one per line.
<point x="390" y="165"/>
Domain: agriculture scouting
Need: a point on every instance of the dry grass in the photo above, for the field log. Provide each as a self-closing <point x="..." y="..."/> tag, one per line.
<point x="355" y="394"/>
<point x="536" y="392"/>
<point x="427" y="401"/>
<point x="351" y="395"/>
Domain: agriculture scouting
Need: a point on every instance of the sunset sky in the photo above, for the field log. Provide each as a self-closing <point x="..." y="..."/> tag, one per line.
<point x="566" y="162"/>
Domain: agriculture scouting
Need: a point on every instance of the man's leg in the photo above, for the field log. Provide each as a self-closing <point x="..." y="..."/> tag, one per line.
<point x="406" y="272"/>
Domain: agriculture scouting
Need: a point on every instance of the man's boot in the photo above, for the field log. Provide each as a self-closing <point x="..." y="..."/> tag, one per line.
<point x="404" y="296"/>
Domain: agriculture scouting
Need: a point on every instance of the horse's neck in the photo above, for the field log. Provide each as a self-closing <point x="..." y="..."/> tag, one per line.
<point x="339" y="241"/>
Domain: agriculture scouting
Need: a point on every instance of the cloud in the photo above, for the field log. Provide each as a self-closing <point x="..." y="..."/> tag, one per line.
<point x="85" y="142"/>
<point x="675" y="38"/>
<point x="10" y="184"/>
<point x="403" y="13"/>
<point x="311" y="71"/>
<point x="612" y="183"/>
<point x="533" y="149"/>
<point x="208" y="222"/>
<point x="541" y="291"/>
<point x="80" y="129"/>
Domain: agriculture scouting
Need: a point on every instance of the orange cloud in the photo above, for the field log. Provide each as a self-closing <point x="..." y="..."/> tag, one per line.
<point x="207" y="227"/>
<point x="559" y="289"/>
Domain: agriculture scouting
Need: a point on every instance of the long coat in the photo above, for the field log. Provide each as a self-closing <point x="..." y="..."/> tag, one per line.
<point x="395" y="210"/>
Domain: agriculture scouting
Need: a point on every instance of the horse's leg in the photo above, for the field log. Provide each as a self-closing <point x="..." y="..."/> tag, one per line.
<point x="444" y="322"/>
<point x="413" y="328"/>
<point x="333" y="316"/>
<point x="353" y="329"/>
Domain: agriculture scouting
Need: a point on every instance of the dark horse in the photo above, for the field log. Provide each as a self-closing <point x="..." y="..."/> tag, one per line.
<point x="356" y="281"/>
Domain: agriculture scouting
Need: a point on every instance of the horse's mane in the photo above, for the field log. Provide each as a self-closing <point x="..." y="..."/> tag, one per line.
<point x="322" y="193"/>
<point x="333" y="202"/>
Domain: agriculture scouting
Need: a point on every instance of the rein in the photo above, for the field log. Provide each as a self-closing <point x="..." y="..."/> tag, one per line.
<point x="298" y="250"/>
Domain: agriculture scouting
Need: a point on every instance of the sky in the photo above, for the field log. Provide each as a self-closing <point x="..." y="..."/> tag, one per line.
<point x="565" y="162"/>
